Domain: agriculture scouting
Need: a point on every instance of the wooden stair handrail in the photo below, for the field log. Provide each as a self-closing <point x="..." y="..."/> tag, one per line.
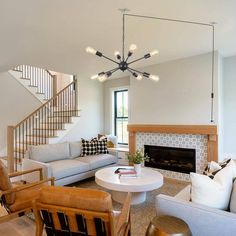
<point x="50" y="100"/>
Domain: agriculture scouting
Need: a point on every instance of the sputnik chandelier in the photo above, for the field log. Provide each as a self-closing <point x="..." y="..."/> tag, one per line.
<point x="122" y="62"/>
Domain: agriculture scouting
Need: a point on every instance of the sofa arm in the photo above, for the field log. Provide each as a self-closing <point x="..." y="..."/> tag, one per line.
<point x="202" y="220"/>
<point x="28" y="164"/>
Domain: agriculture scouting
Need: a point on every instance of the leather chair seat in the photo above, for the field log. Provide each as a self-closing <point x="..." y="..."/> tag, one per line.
<point x="24" y="198"/>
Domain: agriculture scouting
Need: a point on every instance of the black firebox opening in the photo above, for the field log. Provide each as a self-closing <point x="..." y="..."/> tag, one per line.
<point x="171" y="158"/>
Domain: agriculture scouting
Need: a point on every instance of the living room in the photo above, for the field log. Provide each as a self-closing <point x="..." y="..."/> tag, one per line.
<point x="184" y="102"/>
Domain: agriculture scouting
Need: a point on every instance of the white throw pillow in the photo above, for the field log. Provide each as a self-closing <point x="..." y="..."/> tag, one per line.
<point x="213" y="192"/>
<point x="75" y="149"/>
<point x="233" y="199"/>
<point x="214" y="166"/>
<point x="50" y="152"/>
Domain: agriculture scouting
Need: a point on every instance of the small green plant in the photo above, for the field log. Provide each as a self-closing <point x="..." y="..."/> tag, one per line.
<point x="138" y="157"/>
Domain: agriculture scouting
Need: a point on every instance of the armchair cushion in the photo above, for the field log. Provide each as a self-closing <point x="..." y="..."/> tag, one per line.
<point x="5" y="184"/>
<point x="87" y="199"/>
<point x="24" y="198"/>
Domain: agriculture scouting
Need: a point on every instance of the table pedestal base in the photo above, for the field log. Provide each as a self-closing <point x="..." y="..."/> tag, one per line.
<point x="137" y="198"/>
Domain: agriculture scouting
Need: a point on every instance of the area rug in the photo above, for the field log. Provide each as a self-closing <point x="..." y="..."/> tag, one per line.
<point x="141" y="214"/>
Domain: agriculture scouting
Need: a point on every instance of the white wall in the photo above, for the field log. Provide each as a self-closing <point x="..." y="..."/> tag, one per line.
<point x="109" y="87"/>
<point x="229" y="104"/>
<point x="90" y="122"/>
<point x="182" y="96"/>
<point x="221" y="109"/>
<point x="15" y="104"/>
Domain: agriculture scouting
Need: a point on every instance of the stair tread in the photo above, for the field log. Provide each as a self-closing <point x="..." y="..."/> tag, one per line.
<point x="24" y="78"/>
<point x="62" y="116"/>
<point x="40" y="93"/>
<point x="66" y="111"/>
<point x="31" y="143"/>
<point x="34" y="86"/>
<point x="20" y="150"/>
<point x="47" y="129"/>
<point x="41" y="136"/>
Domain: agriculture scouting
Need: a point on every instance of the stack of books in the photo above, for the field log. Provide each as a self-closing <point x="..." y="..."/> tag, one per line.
<point x="126" y="172"/>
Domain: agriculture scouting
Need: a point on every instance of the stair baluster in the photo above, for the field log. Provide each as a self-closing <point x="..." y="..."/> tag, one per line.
<point x="43" y="123"/>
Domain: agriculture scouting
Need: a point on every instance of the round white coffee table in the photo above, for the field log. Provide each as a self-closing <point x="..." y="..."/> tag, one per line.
<point x="138" y="186"/>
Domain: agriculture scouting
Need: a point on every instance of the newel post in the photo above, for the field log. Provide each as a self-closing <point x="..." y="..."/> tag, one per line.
<point x="76" y="89"/>
<point x="10" y="148"/>
<point x="54" y="89"/>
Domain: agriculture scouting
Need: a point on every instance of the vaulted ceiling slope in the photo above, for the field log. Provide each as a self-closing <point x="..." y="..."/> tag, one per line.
<point x="54" y="34"/>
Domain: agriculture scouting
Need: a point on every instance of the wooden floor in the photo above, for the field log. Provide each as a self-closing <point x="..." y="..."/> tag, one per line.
<point x="21" y="226"/>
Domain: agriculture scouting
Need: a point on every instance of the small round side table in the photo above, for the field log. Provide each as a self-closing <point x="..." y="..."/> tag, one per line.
<point x="167" y="226"/>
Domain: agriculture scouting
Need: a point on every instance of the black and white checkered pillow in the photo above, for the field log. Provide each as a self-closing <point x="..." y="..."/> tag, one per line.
<point x="211" y="174"/>
<point x="89" y="147"/>
<point x="102" y="146"/>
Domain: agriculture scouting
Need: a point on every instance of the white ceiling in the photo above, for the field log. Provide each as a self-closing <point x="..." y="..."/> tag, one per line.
<point x="53" y="34"/>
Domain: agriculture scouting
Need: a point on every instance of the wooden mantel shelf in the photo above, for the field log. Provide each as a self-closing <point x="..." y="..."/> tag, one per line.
<point x="209" y="130"/>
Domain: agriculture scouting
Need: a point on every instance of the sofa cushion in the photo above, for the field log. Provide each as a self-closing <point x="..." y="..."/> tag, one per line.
<point x="233" y="199"/>
<point x="213" y="168"/>
<point x="75" y="149"/>
<point x="96" y="161"/>
<point x="102" y="146"/>
<point x="80" y="198"/>
<point x="89" y="147"/>
<point x="50" y="152"/>
<point x="213" y="192"/>
<point x="65" y="168"/>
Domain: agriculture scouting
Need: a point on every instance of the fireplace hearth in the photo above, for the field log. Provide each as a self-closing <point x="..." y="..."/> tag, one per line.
<point x="171" y="158"/>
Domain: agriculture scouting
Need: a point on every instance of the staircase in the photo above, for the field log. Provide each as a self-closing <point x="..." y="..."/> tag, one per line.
<point x="47" y="124"/>
<point x="36" y="80"/>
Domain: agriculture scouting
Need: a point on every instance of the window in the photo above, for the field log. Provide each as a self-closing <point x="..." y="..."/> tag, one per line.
<point x="121" y="115"/>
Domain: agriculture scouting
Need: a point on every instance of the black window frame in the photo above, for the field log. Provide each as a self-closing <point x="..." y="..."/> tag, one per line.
<point x="115" y="111"/>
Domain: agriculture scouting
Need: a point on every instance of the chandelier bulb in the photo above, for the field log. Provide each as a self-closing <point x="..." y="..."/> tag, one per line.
<point x="154" y="52"/>
<point x="139" y="77"/>
<point x="91" y="50"/>
<point x="94" y="77"/>
<point x="102" y="78"/>
<point x="117" y="55"/>
<point x="154" y="78"/>
<point x="132" y="48"/>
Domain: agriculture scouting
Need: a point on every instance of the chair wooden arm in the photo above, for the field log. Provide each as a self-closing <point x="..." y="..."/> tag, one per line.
<point x="26" y="186"/>
<point x="124" y="216"/>
<point x="18" y="173"/>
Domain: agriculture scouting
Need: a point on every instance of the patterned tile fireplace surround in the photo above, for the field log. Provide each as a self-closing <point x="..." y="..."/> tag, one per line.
<point x="197" y="142"/>
<point x="201" y="138"/>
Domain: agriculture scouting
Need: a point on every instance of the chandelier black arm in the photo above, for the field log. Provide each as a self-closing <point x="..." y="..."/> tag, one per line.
<point x="112" y="70"/>
<point x="136" y="60"/>
<point x="110" y="59"/>
<point x="140" y="72"/>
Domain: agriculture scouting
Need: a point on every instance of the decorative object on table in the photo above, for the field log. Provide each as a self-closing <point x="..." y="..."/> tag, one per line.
<point x="137" y="159"/>
<point x="122" y="60"/>
<point x="127" y="173"/>
<point x="167" y="226"/>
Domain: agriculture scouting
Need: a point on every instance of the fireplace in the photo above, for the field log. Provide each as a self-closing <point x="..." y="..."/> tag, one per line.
<point x="171" y="158"/>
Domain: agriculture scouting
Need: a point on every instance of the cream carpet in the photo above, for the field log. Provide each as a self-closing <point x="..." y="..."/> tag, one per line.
<point x="141" y="214"/>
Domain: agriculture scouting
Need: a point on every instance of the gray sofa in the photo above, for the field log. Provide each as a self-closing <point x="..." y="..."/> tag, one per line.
<point x="63" y="161"/>
<point x="202" y="220"/>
